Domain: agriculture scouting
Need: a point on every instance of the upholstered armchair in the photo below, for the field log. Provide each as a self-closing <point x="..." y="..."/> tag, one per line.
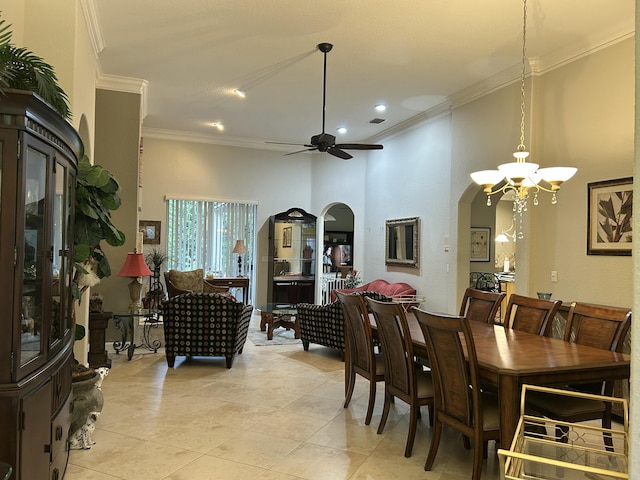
<point x="205" y="324"/>
<point x="192" y="281"/>
<point x="324" y="324"/>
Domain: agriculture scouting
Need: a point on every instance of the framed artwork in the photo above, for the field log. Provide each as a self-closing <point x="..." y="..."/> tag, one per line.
<point x="150" y="231"/>
<point x="286" y="237"/>
<point x="402" y="242"/>
<point x="480" y="244"/>
<point x="609" y="214"/>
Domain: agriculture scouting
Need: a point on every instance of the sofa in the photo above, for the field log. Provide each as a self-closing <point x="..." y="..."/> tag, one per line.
<point x="324" y="324"/>
<point x="381" y="286"/>
<point x="205" y="324"/>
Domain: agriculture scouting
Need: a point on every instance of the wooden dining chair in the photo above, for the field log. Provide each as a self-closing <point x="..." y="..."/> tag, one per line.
<point x="460" y="402"/>
<point x="531" y="315"/>
<point x="481" y="306"/>
<point x="597" y="326"/>
<point x="403" y="378"/>
<point x="361" y="357"/>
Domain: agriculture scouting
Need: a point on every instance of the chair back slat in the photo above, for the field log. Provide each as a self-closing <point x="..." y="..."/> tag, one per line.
<point x="531" y="315"/>
<point x="358" y="330"/>
<point x="481" y="306"/>
<point x="397" y="349"/>
<point x="598" y="326"/>
<point x="456" y="378"/>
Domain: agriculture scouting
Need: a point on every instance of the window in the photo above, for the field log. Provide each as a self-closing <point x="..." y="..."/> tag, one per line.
<point x="202" y="234"/>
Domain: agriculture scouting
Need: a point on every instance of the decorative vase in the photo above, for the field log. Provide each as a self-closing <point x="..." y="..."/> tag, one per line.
<point x="87" y="401"/>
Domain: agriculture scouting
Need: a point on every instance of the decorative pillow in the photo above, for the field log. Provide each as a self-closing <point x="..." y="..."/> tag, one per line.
<point x="190" y="281"/>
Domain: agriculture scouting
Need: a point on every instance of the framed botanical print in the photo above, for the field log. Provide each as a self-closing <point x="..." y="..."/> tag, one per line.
<point x="609" y="215"/>
<point x="480" y="244"/>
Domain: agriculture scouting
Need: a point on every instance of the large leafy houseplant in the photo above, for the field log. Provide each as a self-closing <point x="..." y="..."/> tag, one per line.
<point x="96" y="196"/>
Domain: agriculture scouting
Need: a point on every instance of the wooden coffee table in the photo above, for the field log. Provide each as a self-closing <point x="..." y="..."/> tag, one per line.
<point x="275" y="315"/>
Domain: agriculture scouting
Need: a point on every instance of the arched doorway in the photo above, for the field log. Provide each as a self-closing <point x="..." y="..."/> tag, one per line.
<point x="337" y="245"/>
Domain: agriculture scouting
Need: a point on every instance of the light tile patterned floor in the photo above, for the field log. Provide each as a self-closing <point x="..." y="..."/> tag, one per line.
<point x="277" y="414"/>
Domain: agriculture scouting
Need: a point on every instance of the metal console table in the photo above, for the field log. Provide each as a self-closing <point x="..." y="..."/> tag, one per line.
<point x="125" y="322"/>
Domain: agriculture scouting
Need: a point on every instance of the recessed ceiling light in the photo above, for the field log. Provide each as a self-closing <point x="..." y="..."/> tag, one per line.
<point x="218" y="125"/>
<point x="342" y="130"/>
<point x="381" y="107"/>
<point x="239" y="93"/>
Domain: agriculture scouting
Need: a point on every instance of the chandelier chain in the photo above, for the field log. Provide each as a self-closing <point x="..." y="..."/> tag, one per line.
<point x="522" y="147"/>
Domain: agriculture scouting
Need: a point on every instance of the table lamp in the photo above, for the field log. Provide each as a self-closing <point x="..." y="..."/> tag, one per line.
<point x="134" y="267"/>
<point x="240" y="249"/>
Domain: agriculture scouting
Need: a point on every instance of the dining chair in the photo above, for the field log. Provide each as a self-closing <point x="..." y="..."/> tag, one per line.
<point x="361" y="357"/>
<point x="597" y="326"/>
<point x="481" y="306"/>
<point x="403" y="378"/>
<point x="459" y="400"/>
<point x="531" y="315"/>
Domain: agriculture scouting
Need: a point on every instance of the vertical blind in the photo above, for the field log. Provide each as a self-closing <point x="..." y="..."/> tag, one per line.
<point x="202" y="234"/>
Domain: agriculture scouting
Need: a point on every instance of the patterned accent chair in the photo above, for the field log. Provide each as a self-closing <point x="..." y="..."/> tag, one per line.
<point x="324" y="324"/>
<point x="205" y="324"/>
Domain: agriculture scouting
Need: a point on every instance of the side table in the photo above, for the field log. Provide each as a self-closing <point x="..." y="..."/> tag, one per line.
<point x="125" y="322"/>
<point x="98" y="356"/>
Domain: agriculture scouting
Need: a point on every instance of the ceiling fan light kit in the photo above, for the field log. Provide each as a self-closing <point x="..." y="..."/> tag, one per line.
<point x="325" y="142"/>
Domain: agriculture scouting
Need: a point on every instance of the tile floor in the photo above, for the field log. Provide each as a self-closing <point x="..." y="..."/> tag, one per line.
<point x="277" y="414"/>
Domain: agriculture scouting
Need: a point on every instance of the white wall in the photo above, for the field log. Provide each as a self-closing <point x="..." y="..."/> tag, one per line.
<point x="411" y="178"/>
<point x="204" y="171"/>
<point x="585" y="118"/>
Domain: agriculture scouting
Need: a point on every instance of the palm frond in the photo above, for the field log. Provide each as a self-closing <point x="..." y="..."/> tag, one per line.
<point x="5" y="33"/>
<point x="23" y="70"/>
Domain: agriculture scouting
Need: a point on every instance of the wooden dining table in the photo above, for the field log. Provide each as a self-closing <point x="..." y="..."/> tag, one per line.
<point x="508" y="358"/>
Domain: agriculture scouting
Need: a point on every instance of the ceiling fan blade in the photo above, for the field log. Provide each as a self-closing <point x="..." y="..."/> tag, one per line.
<point x="359" y="146"/>
<point x="287" y="143"/>
<point x="336" y="152"/>
<point x="303" y="150"/>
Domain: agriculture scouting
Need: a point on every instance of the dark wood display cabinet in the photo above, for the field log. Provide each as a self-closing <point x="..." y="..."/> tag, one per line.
<point x="293" y="253"/>
<point x="38" y="164"/>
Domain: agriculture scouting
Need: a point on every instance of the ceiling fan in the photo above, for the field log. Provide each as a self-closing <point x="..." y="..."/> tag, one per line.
<point x="325" y="142"/>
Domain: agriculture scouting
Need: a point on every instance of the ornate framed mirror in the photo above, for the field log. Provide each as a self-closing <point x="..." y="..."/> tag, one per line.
<point x="402" y="246"/>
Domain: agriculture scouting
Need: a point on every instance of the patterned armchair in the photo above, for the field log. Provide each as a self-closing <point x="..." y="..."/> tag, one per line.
<point x="205" y="324"/>
<point x="324" y="324"/>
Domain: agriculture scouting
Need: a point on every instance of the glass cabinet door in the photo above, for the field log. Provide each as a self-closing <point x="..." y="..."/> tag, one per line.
<point x="33" y="255"/>
<point x="60" y="265"/>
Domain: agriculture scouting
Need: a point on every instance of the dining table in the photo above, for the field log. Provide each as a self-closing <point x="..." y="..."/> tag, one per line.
<point x="509" y="358"/>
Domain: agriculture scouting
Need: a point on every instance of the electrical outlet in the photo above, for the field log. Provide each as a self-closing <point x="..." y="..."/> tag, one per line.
<point x="554" y="276"/>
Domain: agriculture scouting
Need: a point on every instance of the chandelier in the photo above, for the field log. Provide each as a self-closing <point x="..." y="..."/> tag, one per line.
<point x="523" y="177"/>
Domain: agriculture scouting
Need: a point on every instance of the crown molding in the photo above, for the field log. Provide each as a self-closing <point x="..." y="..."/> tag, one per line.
<point x="94" y="27"/>
<point x="126" y="85"/>
<point x="436" y="111"/>
<point x="192" y="137"/>
<point x="537" y="66"/>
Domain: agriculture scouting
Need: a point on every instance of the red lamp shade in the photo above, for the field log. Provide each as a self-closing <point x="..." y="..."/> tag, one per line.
<point x="134" y="266"/>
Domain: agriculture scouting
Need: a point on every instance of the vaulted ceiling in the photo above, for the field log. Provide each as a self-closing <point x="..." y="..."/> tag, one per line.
<point x="412" y="55"/>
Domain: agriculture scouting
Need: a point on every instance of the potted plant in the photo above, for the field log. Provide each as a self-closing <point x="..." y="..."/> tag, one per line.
<point x="155" y="260"/>
<point x="22" y="70"/>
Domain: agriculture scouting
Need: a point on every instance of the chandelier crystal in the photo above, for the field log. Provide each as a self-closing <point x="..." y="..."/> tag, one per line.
<point x="523" y="177"/>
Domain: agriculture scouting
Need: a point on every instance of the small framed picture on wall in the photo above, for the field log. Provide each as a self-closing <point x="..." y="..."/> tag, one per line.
<point x="480" y="244"/>
<point x="150" y="231"/>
